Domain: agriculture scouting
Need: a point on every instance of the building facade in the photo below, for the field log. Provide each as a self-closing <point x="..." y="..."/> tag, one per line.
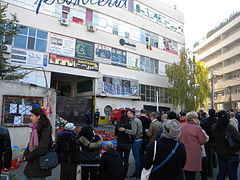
<point x="98" y="57"/>
<point x="220" y="51"/>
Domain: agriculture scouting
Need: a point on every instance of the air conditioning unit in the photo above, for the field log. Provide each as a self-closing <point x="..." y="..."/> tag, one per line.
<point x="7" y="49"/>
<point x="64" y="21"/>
<point x="91" y="28"/>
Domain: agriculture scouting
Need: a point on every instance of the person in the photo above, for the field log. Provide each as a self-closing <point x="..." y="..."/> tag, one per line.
<point x="228" y="158"/>
<point x="155" y="128"/>
<point x="111" y="166"/>
<point x="5" y="149"/>
<point x="67" y="147"/>
<point x="96" y="118"/>
<point x="233" y="121"/>
<point x="88" y="117"/>
<point x="192" y="137"/>
<point x="145" y="125"/>
<point x="124" y="141"/>
<point x="173" y="168"/>
<point x="164" y="117"/>
<point x="182" y="117"/>
<point x="136" y="130"/>
<point x="172" y="115"/>
<point x="206" y="125"/>
<point x="39" y="142"/>
<point x="90" y="155"/>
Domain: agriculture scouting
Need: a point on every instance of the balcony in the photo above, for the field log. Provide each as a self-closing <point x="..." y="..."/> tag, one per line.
<point x="229" y="68"/>
<point x="224" y="56"/>
<point x="222" y="44"/>
<point x="222" y="99"/>
<point x="221" y="84"/>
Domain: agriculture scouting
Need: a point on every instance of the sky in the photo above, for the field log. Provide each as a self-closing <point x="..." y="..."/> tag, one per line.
<point x="202" y="15"/>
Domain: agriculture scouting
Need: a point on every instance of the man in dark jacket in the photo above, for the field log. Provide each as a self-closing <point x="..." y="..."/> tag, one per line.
<point x="111" y="165"/>
<point x="145" y="125"/>
<point x="5" y="149"/>
<point x="206" y="125"/>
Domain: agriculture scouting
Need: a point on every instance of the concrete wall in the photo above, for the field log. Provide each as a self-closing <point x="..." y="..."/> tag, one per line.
<point x="20" y="135"/>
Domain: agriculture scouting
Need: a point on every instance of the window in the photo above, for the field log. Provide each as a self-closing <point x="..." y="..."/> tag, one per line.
<point x="149" y="94"/>
<point x="115" y="29"/>
<point x="127" y="35"/>
<point x="29" y="38"/>
<point x="149" y="65"/>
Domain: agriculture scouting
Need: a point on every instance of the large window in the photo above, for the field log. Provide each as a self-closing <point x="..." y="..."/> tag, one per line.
<point x="149" y="94"/>
<point x="29" y="38"/>
<point x="149" y="65"/>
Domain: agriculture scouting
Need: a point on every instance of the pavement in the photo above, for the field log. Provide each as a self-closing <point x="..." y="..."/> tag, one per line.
<point x="18" y="173"/>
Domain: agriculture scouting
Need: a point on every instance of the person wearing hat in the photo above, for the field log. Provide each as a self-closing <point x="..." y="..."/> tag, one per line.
<point x="173" y="167"/>
<point x="193" y="137"/>
<point x="67" y="147"/>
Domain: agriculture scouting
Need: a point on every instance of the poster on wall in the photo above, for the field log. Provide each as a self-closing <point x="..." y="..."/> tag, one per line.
<point x="87" y="65"/>
<point x="133" y="61"/>
<point x="29" y="57"/>
<point x="162" y="68"/>
<point x="84" y="50"/>
<point x="119" y="57"/>
<point x="170" y="46"/>
<point x="61" y="60"/>
<point x="117" y="86"/>
<point x="102" y="53"/>
<point x="62" y="45"/>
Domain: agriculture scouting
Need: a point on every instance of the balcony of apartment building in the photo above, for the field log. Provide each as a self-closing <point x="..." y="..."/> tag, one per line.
<point x="231" y="79"/>
<point x="226" y="40"/>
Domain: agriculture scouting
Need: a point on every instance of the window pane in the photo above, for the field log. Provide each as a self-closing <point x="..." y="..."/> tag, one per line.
<point x="41" y="45"/>
<point x="8" y="40"/>
<point x="42" y="34"/>
<point x="22" y="30"/>
<point x="31" y="43"/>
<point x="20" y="41"/>
<point x="32" y="32"/>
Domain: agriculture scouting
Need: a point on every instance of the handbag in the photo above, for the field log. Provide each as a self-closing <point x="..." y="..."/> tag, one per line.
<point x="49" y="160"/>
<point x="146" y="173"/>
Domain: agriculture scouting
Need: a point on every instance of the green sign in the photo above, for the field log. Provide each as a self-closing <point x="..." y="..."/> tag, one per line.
<point x="84" y="50"/>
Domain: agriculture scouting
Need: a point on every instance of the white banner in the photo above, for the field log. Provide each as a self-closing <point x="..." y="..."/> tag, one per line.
<point x="62" y="45"/>
<point x="133" y="61"/>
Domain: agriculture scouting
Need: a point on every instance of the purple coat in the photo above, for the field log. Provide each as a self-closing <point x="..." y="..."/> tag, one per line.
<point x="193" y="137"/>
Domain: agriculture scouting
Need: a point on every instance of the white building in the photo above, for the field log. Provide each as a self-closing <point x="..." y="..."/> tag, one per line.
<point x="99" y="56"/>
<point x="220" y="51"/>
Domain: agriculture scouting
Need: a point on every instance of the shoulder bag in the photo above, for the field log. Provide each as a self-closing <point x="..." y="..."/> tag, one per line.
<point x="146" y="173"/>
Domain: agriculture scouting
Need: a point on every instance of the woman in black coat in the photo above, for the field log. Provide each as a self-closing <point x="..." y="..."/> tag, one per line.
<point x="39" y="143"/>
<point x="111" y="165"/>
<point x="172" y="169"/>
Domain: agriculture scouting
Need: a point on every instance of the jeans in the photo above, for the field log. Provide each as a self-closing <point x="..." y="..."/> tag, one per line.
<point x="92" y="171"/>
<point x="40" y="178"/>
<point x="124" y="151"/>
<point x="210" y="155"/>
<point x="137" y="154"/>
<point x="190" y="175"/>
<point x="228" y="165"/>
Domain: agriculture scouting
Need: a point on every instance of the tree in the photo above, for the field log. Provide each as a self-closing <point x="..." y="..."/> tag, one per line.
<point x="188" y="80"/>
<point x="8" y="29"/>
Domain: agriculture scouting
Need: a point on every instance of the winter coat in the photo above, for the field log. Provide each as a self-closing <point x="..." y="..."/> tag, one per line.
<point x="136" y="128"/>
<point x="154" y="129"/>
<point x="193" y="137"/>
<point x="32" y="169"/>
<point x="172" y="169"/>
<point x="206" y="125"/>
<point x="122" y="137"/>
<point x="221" y="144"/>
<point x="67" y="147"/>
<point x="145" y="124"/>
<point x="5" y="148"/>
<point x="111" y="166"/>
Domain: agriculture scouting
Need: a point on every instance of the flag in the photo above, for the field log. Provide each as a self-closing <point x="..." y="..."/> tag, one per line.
<point x="149" y="47"/>
<point x="77" y="20"/>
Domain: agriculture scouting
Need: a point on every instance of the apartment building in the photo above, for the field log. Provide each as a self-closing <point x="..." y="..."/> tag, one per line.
<point x="98" y="57"/>
<point x="220" y="50"/>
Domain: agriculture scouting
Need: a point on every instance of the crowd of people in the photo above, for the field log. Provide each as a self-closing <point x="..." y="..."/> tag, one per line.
<point x="166" y="146"/>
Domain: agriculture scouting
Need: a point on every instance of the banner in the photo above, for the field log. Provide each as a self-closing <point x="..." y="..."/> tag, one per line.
<point x="61" y="60"/>
<point x="84" y="50"/>
<point x="62" y="45"/>
<point x="29" y="57"/>
<point x="119" y="57"/>
<point x="133" y="61"/>
<point x="102" y="53"/>
<point x="117" y="86"/>
<point x="87" y="65"/>
<point x="170" y="46"/>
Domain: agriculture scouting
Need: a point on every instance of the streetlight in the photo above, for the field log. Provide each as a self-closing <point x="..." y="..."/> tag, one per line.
<point x="157" y="101"/>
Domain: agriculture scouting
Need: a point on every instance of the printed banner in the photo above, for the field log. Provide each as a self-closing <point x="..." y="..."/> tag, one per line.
<point x="116" y="86"/>
<point x="119" y="57"/>
<point x="133" y="61"/>
<point x="102" y="53"/>
<point x="62" y="45"/>
<point x="84" y="50"/>
<point x="87" y="65"/>
<point x="61" y="60"/>
<point x="170" y="46"/>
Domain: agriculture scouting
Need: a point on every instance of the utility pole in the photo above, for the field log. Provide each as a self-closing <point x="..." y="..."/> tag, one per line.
<point x="212" y="88"/>
<point x="157" y="101"/>
<point x="230" y="97"/>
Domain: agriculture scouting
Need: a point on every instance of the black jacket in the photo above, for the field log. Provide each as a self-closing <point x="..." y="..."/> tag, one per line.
<point x="67" y="147"/>
<point x="111" y="166"/>
<point x="207" y="124"/>
<point x="145" y="125"/>
<point x="172" y="169"/>
<point x="32" y="169"/>
<point x="5" y="148"/>
<point x="122" y="137"/>
<point x="221" y="144"/>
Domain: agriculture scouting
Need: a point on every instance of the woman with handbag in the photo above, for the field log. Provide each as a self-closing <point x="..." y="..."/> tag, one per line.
<point x="89" y="157"/>
<point x="165" y="157"/>
<point x="227" y="143"/>
<point x="39" y="143"/>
